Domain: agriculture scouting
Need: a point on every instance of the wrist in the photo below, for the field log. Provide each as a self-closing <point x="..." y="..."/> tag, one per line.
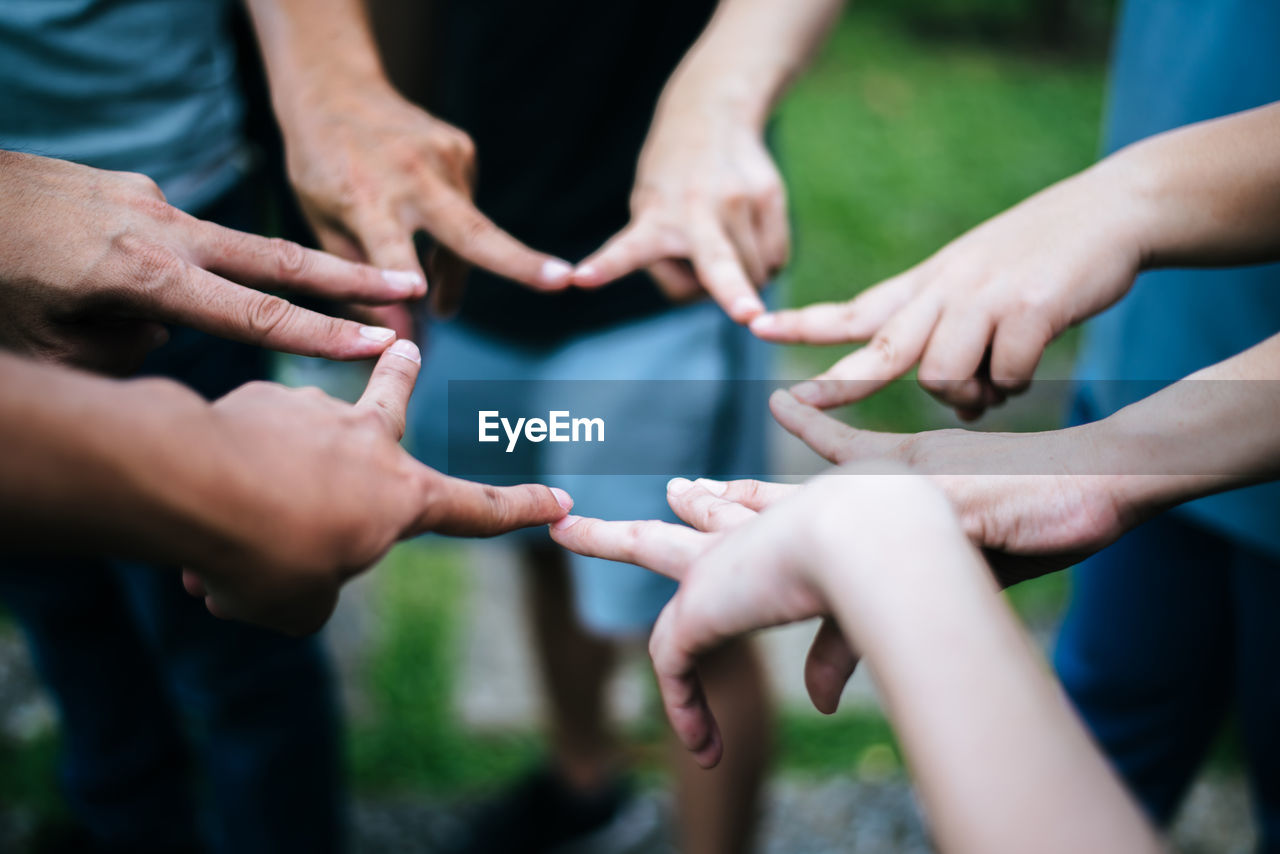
<point x="186" y="475"/>
<point x="1129" y="190"/>
<point x="867" y="522"/>
<point x="721" y="99"/>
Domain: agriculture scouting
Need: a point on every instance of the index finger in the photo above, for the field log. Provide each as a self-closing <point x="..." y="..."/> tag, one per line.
<point x="272" y="263"/>
<point x="839" y="322"/>
<point x="637" y="246"/>
<point x="463" y="508"/>
<point x="459" y="225"/>
<point x="209" y="303"/>
<point x="891" y="352"/>
<point x="391" y="384"/>
<point x="832" y="439"/>
<point x="658" y="546"/>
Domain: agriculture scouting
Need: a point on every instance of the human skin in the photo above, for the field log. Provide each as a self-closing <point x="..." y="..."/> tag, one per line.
<point x="709" y="209"/>
<point x="370" y="168"/>
<point x="1001" y="762"/>
<point x="93" y="262"/>
<point x="977" y="315"/>
<point x="271" y="498"/>
<point x="1039" y="502"/>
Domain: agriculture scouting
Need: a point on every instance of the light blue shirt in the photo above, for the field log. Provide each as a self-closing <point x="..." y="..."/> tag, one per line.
<point x="1176" y="62"/>
<point x="138" y="85"/>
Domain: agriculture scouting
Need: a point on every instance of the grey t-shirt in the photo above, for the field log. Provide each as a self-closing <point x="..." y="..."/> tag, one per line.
<point x="138" y="85"/>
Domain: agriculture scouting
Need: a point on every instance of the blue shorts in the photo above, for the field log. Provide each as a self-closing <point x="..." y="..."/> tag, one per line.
<point x="719" y="434"/>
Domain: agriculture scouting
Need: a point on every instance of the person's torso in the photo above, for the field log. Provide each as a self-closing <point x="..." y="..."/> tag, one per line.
<point x="137" y="85"/>
<point x="1176" y="62"/>
<point x="558" y="97"/>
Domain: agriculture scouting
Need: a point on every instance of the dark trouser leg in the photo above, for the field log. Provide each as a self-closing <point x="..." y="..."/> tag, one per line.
<point x="1256" y="581"/>
<point x="265" y="722"/>
<point x="1146" y="654"/>
<point x="124" y="763"/>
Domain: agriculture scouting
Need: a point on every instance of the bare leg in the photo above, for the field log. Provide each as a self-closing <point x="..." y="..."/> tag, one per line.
<point x="719" y="808"/>
<point x="575" y="667"/>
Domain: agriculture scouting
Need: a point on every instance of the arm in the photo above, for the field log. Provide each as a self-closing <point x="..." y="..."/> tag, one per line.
<point x="1038" y="502"/>
<point x="977" y="315"/>
<point x="270" y="497"/>
<point x="1000" y="761"/>
<point x="999" y="758"/>
<point x="370" y="168"/>
<point x="707" y="191"/>
<point x="91" y="262"/>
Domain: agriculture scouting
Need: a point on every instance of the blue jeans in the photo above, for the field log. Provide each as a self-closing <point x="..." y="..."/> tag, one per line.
<point x="1169" y="630"/>
<point x="159" y="701"/>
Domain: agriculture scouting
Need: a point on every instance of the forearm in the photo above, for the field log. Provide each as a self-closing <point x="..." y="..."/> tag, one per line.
<point x="1000" y="761"/>
<point x="1212" y="432"/>
<point x="1207" y="194"/>
<point x="315" y="50"/>
<point x="747" y="57"/>
<point x="101" y="466"/>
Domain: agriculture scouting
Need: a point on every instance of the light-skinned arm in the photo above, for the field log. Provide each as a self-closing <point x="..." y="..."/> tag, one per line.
<point x="709" y="210"/>
<point x="370" y="168"/>
<point x="1038" y="502"/>
<point x="1001" y="762"/>
<point x="270" y="497"/>
<point x="977" y="315"/>
<point x="93" y="262"/>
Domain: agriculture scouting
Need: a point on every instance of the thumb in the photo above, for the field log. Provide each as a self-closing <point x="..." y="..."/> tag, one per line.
<point x="830" y="438"/>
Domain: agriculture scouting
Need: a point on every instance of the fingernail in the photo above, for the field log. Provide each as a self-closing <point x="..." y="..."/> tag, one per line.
<point x="744" y="308"/>
<point x="555" y="271"/>
<point x="715" y="487"/>
<point x="765" y="323"/>
<point x="377" y="333"/>
<point x="562" y="498"/>
<point x="565" y="523"/>
<point x="807" y="391"/>
<point x="404" y="280"/>
<point x="586" y="271"/>
<point x="677" y="485"/>
<point x="406" y="349"/>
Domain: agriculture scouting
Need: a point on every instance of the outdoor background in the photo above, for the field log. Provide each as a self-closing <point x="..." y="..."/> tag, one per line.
<point x="919" y="120"/>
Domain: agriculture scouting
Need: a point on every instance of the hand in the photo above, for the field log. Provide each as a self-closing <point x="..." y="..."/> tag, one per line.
<point x="743" y="570"/>
<point x="708" y="215"/>
<point x="371" y="169"/>
<point x="1034" y="502"/>
<point x="977" y="315"/>
<point x="313" y="491"/>
<point x="94" y="261"/>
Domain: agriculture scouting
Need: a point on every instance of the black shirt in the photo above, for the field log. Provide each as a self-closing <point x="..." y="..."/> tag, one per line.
<point x="558" y="96"/>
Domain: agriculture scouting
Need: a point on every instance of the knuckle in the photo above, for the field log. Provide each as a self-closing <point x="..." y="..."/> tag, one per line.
<point x="143" y="184"/>
<point x="152" y="266"/>
<point x="884" y="348"/>
<point x="265" y="314"/>
<point x="292" y="261"/>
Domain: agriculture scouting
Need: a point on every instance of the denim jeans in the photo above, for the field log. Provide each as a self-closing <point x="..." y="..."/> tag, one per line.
<point x="1169" y="630"/>
<point x="181" y="732"/>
